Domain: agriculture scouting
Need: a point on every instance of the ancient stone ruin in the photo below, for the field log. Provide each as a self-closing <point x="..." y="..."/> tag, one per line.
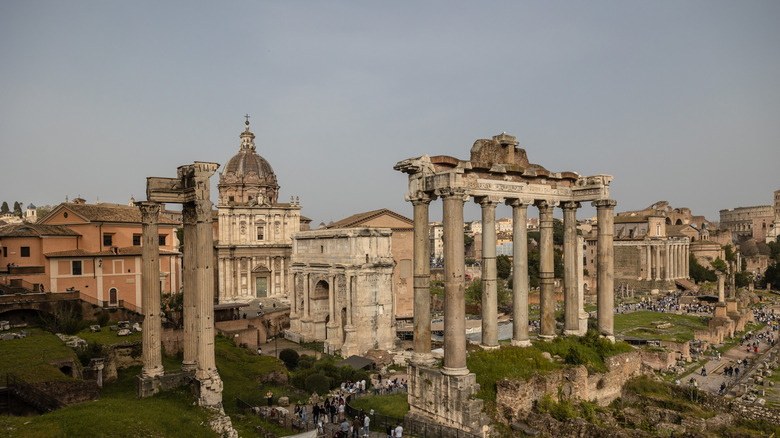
<point x="498" y="171"/>
<point x="191" y="189"/>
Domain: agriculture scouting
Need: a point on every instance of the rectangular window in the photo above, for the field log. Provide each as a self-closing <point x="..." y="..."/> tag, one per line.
<point x="260" y="231"/>
<point x="162" y="239"/>
<point x="75" y="267"/>
<point x="5" y="251"/>
<point x="136" y="240"/>
<point x="108" y="240"/>
<point x="25" y="251"/>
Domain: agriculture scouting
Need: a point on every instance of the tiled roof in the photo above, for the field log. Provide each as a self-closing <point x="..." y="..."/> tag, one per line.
<point x="126" y="251"/>
<point x="105" y="212"/>
<point x="35" y="230"/>
<point x="360" y="218"/>
<point x="629" y="219"/>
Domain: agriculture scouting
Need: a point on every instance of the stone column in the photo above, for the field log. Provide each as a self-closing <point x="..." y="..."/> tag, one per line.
<point x="687" y="261"/>
<point x="657" y="262"/>
<point x="546" y="272"/>
<point x="331" y="328"/>
<point x="489" y="287"/>
<point x="294" y="298"/>
<point x="583" y="320"/>
<point x="570" y="302"/>
<point x="422" y="278"/>
<point x="605" y="211"/>
<point x="454" y="284"/>
<point x="649" y="255"/>
<point x="520" y="284"/>
<point x="680" y="261"/>
<point x="150" y="288"/>
<point x="721" y="289"/>
<point x="667" y="261"/>
<point x="306" y="285"/>
<point x="190" y="286"/>
<point x="204" y="299"/>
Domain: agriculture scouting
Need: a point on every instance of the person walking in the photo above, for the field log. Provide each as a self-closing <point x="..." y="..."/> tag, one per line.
<point x="366" y="420"/>
<point x="356" y="427"/>
<point x="399" y="431"/>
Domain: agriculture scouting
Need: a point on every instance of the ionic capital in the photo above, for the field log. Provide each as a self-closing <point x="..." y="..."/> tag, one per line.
<point x="488" y="201"/>
<point x="604" y="203"/>
<point x="569" y="205"/>
<point x="150" y="212"/>
<point x="421" y="198"/>
<point x="519" y="202"/>
<point x="453" y="192"/>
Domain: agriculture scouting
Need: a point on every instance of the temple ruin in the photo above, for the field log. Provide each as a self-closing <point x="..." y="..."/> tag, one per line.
<point x="190" y="188"/>
<point x="498" y="171"/>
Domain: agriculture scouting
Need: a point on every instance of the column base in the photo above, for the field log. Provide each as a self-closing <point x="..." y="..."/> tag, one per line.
<point x="423" y="359"/>
<point x="546" y="338"/>
<point x="610" y="338"/>
<point x="150" y="373"/>
<point x="208" y="390"/>
<point x="146" y="386"/>
<point x="489" y="347"/>
<point x="521" y="343"/>
<point x="350" y="346"/>
<point x="570" y="332"/>
<point x="454" y="371"/>
<point x="584" y="324"/>
<point x="188" y="366"/>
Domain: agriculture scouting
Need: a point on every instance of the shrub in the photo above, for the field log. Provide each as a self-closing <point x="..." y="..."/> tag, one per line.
<point x="317" y="383"/>
<point x="305" y="361"/>
<point x="289" y="357"/>
<point x="88" y="352"/>
<point x="103" y="318"/>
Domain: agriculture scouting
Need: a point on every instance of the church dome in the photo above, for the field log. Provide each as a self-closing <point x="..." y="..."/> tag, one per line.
<point x="247" y="178"/>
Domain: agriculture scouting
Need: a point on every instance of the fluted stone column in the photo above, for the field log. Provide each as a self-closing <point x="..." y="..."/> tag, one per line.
<point x="422" y="278"/>
<point x="489" y="287"/>
<point x="570" y="303"/>
<point x="190" y="286"/>
<point x="687" y="261"/>
<point x="546" y="272"/>
<point x="294" y="298"/>
<point x="605" y="212"/>
<point x="454" y="287"/>
<point x="306" y="286"/>
<point x="667" y="261"/>
<point x="204" y="300"/>
<point x="520" y="283"/>
<point x="657" y="263"/>
<point x="150" y="289"/>
<point x="331" y="327"/>
<point x="583" y="320"/>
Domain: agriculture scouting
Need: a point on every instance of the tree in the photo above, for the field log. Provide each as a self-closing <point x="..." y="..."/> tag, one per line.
<point x="719" y="265"/>
<point x="172" y="306"/>
<point x="4" y="209"/>
<point x="474" y="293"/>
<point x="503" y="266"/>
<point x="730" y="254"/>
<point x="18" y="209"/>
<point x="698" y="272"/>
<point x="289" y="357"/>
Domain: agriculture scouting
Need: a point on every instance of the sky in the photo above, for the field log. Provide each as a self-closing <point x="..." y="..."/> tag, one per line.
<point x="678" y="100"/>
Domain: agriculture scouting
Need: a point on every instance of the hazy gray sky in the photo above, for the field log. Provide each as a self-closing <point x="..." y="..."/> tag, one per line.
<point x="679" y="100"/>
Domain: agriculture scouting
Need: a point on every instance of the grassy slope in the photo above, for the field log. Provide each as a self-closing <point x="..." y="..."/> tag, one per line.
<point x="392" y="405"/>
<point x="29" y="358"/>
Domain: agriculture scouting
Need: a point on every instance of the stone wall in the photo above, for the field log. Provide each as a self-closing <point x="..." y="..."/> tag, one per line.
<point x="659" y="360"/>
<point x="446" y="399"/>
<point x="515" y="398"/>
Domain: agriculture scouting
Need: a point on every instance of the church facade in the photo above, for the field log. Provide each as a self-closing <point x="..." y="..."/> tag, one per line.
<point x="254" y="238"/>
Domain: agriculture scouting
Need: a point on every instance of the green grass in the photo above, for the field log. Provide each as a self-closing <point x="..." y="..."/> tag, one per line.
<point x="107" y="337"/>
<point x="645" y="325"/>
<point x="118" y="413"/>
<point x="392" y="405"/>
<point x="29" y="358"/>
<point x="507" y="362"/>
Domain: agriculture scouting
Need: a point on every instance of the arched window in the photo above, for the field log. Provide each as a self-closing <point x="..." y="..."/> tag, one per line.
<point x="320" y="290"/>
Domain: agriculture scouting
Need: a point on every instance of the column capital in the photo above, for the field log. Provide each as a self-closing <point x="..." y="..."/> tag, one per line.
<point x="487" y="201"/>
<point x="570" y="205"/>
<point x="150" y="211"/>
<point x="453" y="192"/>
<point x="421" y="198"/>
<point x="544" y="203"/>
<point x="604" y="203"/>
<point x="516" y="202"/>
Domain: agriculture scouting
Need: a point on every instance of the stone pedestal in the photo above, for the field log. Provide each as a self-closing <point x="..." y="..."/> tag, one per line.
<point x="208" y="390"/>
<point x="446" y="399"/>
<point x="350" y="346"/>
<point x="146" y="386"/>
<point x="731" y="306"/>
<point x="720" y="311"/>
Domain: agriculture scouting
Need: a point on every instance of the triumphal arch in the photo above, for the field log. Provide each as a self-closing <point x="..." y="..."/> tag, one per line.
<point x="498" y="171"/>
<point x="191" y="188"/>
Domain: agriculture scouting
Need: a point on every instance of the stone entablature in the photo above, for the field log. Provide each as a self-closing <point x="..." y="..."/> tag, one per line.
<point x="343" y="289"/>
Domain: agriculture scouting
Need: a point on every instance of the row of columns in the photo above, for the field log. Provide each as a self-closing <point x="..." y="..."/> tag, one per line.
<point x="672" y="262"/>
<point x="198" y="309"/>
<point x="454" y="284"/>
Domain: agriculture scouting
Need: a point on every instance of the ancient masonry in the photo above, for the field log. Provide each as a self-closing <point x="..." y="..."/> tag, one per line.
<point x="498" y="171"/>
<point x="191" y="189"/>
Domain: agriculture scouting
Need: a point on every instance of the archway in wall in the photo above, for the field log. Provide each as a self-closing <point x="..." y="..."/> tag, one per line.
<point x="260" y="275"/>
<point x="113" y="298"/>
<point x="668" y="221"/>
<point x="320" y="290"/>
<point x="679" y="222"/>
